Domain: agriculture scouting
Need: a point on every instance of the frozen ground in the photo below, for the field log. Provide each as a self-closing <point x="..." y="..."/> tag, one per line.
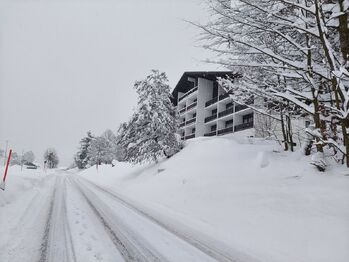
<point x="220" y="199"/>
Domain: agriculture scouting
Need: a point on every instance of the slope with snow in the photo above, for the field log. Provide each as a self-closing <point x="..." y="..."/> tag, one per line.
<point x="244" y="197"/>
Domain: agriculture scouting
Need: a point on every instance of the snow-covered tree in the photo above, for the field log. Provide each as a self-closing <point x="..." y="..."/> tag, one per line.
<point x="150" y="133"/>
<point x="51" y="158"/>
<point x="81" y="158"/>
<point x="28" y="157"/>
<point x="100" y="151"/>
<point x="298" y="50"/>
<point x="15" y="159"/>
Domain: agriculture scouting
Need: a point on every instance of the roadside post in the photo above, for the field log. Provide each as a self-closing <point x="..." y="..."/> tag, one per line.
<point x="2" y="185"/>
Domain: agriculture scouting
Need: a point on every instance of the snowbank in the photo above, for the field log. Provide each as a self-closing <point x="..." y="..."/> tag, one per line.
<point x="268" y="204"/>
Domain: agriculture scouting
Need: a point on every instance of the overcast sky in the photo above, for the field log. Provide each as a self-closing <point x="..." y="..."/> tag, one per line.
<point x="68" y="66"/>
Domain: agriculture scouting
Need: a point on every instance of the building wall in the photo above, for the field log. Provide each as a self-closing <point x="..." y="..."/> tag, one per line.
<point x="205" y="88"/>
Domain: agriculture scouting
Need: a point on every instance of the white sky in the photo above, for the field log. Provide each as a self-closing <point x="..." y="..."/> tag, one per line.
<point x="68" y="66"/>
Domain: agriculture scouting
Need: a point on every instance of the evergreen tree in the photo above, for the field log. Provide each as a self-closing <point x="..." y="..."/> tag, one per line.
<point x="150" y="133"/>
<point x="51" y="158"/>
<point x="81" y="158"/>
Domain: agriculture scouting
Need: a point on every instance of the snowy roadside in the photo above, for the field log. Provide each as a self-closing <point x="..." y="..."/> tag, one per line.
<point x="269" y="206"/>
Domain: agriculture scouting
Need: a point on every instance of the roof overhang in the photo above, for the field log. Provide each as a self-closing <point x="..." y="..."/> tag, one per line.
<point x="183" y="86"/>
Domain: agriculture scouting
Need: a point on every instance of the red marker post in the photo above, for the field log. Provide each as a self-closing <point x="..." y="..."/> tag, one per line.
<point x="2" y="185"/>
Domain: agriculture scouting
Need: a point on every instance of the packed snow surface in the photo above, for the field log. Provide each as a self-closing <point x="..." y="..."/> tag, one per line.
<point x="220" y="199"/>
<point x="243" y="194"/>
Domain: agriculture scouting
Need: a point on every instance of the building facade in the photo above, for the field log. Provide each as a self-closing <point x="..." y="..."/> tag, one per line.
<point x="205" y="109"/>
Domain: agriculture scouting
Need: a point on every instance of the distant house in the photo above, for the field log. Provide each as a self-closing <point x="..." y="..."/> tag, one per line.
<point x="30" y="165"/>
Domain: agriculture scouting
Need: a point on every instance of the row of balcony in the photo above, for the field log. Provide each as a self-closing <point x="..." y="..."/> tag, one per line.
<point x="216" y="99"/>
<point x="191" y="106"/>
<point x="188" y="93"/>
<point x="188" y="122"/>
<point x="230" y="129"/>
<point x="225" y="112"/>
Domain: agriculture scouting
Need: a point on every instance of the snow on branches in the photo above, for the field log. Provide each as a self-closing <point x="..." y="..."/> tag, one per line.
<point x="150" y="133"/>
<point x="290" y="53"/>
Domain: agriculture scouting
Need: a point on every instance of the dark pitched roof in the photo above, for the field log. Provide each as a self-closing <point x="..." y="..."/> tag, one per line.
<point x="183" y="86"/>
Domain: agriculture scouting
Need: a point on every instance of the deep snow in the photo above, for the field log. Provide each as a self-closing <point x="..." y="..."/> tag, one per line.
<point x="246" y="194"/>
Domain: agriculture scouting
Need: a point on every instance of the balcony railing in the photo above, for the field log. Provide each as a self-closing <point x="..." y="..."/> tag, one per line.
<point x="210" y="118"/>
<point x="182" y="124"/>
<point x="182" y="110"/>
<point x="192" y="105"/>
<point x="223" y="96"/>
<point x="225" y="130"/>
<point x="243" y="126"/>
<point x="188" y="93"/>
<point x="189" y="136"/>
<point x="212" y="133"/>
<point x="188" y="122"/>
<point x="239" y="107"/>
<point x="226" y="112"/>
<point x="211" y="102"/>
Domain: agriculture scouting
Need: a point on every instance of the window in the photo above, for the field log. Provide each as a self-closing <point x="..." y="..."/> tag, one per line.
<point x="247" y="118"/>
<point x="214" y="112"/>
<point x="195" y="100"/>
<point x="229" y="123"/>
<point x="193" y="131"/>
<point x="307" y="123"/>
<point x="194" y="115"/>
<point x="229" y="105"/>
<point x="213" y="128"/>
<point x="215" y="89"/>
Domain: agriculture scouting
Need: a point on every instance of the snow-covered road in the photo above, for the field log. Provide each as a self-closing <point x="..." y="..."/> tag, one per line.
<point x="69" y="218"/>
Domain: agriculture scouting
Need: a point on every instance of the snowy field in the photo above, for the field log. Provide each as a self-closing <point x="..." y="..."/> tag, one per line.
<point x="243" y="196"/>
<point x="219" y="199"/>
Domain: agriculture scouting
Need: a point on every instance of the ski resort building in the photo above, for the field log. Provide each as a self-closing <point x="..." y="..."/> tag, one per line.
<point x="205" y="109"/>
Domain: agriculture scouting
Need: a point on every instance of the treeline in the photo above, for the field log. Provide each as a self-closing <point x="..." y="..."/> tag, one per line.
<point x="149" y="135"/>
<point x="292" y="58"/>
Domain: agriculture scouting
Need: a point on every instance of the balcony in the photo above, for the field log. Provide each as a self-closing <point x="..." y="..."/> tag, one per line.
<point x="188" y="93"/>
<point x="243" y="126"/>
<point x="213" y="133"/>
<point x="190" y="121"/>
<point x="225" y="130"/>
<point x="223" y="96"/>
<point x="210" y="118"/>
<point x="182" y="124"/>
<point x="182" y="110"/>
<point x="211" y="102"/>
<point x="226" y="112"/>
<point x="239" y="107"/>
<point x="189" y="136"/>
<point x="192" y="105"/>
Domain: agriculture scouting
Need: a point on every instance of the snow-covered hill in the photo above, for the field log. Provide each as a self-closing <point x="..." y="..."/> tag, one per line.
<point x="245" y="194"/>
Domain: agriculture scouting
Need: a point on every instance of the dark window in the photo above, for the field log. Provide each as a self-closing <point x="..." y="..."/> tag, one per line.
<point x="229" y="105"/>
<point x="195" y="100"/>
<point x="194" y="115"/>
<point x="307" y="123"/>
<point x="193" y="131"/>
<point x="229" y="123"/>
<point x="215" y="89"/>
<point x="247" y="118"/>
<point x="214" y="111"/>
<point x="213" y="128"/>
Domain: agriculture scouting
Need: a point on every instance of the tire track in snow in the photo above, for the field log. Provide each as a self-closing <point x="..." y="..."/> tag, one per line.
<point x="125" y="241"/>
<point x="57" y="244"/>
<point x="219" y="255"/>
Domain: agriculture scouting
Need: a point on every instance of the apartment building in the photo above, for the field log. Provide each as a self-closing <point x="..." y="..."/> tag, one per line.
<point x="205" y="109"/>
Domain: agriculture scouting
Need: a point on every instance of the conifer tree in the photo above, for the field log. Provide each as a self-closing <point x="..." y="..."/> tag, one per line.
<point x="150" y="134"/>
<point x="81" y="158"/>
